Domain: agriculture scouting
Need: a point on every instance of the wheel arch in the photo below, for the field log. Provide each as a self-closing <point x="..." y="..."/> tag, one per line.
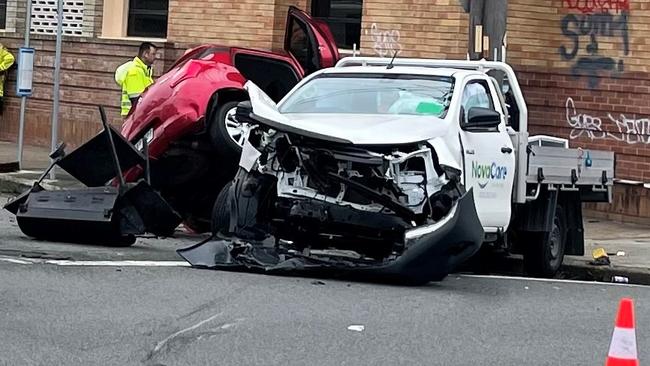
<point x="224" y="95"/>
<point x="538" y="215"/>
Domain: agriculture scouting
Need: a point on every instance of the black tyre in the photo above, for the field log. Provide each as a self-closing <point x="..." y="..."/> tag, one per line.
<point x="221" y="212"/>
<point x="544" y="252"/>
<point x="226" y="134"/>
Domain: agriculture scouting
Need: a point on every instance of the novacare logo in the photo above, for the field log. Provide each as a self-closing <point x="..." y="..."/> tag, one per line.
<point x="488" y="172"/>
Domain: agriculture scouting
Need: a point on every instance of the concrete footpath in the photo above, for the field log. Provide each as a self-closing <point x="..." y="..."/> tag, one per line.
<point x="630" y="241"/>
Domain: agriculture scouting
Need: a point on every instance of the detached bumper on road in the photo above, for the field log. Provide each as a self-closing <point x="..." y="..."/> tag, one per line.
<point x="430" y="253"/>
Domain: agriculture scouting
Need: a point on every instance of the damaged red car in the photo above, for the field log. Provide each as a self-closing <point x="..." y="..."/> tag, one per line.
<point x="188" y="116"/>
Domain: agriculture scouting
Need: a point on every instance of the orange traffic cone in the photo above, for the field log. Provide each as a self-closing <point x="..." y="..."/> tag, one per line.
<point x="622" y="350"/>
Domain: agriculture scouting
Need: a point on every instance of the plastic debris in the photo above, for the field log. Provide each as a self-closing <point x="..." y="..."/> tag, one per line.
<point x="600" y="257"/>
<point x="620" y="279"/>
<point x="357" y="328"/>
<point x="620" y="253"/>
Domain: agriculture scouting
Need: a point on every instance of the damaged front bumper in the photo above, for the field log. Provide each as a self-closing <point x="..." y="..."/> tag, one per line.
<point x="430" y="252"/>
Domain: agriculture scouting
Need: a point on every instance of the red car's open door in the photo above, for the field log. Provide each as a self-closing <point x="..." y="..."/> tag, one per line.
<point x="309" y="41"/>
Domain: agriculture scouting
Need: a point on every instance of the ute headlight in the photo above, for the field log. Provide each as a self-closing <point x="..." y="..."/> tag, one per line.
<point x="148" y="136"/>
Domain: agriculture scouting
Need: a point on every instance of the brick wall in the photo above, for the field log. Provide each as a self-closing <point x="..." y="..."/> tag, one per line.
<point x="585" y="75"/>
<point x="417" y="28"/>
<point x="86" y="82"/>
<point x="248" y="23"/>
<point x="87" y="67"/>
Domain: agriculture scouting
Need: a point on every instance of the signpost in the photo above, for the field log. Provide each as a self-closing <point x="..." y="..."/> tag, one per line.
<point x="57" y="80"/>
<point x="25" y="76"/>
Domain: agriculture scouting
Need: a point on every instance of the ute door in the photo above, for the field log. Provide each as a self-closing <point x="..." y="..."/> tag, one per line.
<point x="489" y="156"/>
<point x="309" y="41"/>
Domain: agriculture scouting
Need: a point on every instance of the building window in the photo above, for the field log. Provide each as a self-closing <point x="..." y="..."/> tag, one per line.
<point x="3" y="14"/>
<point x="148" y="18"/>
<point x="343" y="18"/>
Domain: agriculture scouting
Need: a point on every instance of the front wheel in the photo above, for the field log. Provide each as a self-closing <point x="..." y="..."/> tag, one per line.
<point x="226" y="133"/>
<point x="544" y="252"/>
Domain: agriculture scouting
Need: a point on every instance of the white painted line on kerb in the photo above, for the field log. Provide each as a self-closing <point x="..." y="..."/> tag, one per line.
<point x="550" y="280"/>
<point x="69" y="263"/>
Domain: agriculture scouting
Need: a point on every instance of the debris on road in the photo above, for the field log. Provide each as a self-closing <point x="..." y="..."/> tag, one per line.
<point x="600" y="257"/>
<point x="620" y="279"/>
<point x="357" y="328"/>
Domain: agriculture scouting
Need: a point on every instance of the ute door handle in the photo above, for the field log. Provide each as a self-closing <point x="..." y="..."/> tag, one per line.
<point x="506" y="150"/>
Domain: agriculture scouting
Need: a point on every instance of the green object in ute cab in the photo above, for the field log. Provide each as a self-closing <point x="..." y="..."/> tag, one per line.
<point x="429" y="108"/>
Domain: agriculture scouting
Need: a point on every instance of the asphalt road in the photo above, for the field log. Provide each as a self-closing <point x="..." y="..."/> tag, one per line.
<point x="54" y="314"/>
<point x="14" y="243"/>
<point x="180" y="316"/>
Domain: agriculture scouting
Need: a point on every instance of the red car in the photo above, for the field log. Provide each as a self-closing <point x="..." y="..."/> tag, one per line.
<point x="187" y="116"/>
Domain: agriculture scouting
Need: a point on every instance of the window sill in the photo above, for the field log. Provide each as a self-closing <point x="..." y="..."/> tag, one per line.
<point x="135" y="39"/>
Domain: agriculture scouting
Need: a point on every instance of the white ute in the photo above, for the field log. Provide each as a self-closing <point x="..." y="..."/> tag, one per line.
<point x="370" y="165"/>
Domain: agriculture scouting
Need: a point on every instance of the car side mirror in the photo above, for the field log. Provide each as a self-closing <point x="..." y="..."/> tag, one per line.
<point x="479" y="118"/>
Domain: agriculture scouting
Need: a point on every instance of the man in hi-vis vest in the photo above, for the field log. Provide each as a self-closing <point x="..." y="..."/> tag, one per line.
<point x="6" y="61"/>
<point x="136" y="76"/>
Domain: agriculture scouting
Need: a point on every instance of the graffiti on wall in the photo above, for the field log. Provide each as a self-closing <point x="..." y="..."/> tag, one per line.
<point x="590" y="23"/>
<point x="597" y="6"/>
<point x="621" y="129"/>
<point x="385" y="42"/>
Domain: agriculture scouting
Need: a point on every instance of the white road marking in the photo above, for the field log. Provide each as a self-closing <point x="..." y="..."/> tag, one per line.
<point x="137" y="263"/>
<point x="162" y="343"/>
<point x="550" y="280"/>
<point x="71" y="263"/>
<point x="16" y="261"/>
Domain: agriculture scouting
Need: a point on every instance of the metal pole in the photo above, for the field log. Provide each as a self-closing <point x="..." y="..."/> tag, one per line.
<point x="23" y="99"/>
<point x="57" y="80"/>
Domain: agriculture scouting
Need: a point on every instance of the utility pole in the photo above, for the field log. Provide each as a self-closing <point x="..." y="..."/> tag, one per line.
<point x="57" y="80"/>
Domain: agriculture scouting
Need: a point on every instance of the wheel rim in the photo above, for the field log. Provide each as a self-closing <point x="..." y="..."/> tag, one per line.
<point x="237" y="131"/>
<point x="555" y="240"/>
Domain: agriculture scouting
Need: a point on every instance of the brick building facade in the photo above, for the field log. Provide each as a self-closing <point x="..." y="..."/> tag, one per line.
<point x="583" y="64"/>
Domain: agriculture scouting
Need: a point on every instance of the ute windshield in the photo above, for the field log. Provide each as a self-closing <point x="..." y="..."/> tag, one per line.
<point x="397" y="94"/>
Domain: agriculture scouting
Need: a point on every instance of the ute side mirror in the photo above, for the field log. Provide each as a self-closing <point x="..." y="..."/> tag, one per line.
<point x="243" y="111"/>
<point x="481" y="119"/>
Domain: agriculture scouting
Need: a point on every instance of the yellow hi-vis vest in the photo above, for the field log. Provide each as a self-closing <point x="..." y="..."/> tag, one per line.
<point x="134" y="77"/>
<point x="6" y="60"/>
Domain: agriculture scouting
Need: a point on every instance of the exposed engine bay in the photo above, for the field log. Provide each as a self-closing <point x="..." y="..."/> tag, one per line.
<point x="329" y="195"/>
